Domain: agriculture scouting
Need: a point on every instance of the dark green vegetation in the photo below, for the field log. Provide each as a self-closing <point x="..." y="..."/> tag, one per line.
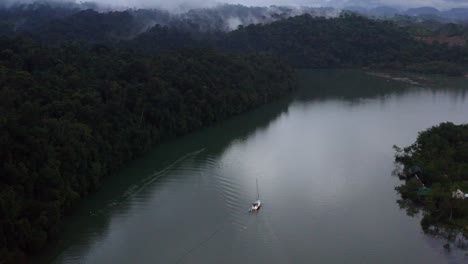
<point x="441" y="153"/>
<point x="434" y="28"/>
<point x="106" y="86"/>
<point x="71" y="116"/>
<point x="347" y="41"/>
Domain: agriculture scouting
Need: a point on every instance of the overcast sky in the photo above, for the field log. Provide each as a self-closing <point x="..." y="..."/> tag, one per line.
<point x="171" y="4"/>
<point x="365" y="3"/>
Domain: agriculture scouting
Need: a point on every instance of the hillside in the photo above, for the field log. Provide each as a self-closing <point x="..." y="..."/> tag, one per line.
<point x="347" y="41"/>
<point x="73" y="116"/>
<point x="85" y="90"/>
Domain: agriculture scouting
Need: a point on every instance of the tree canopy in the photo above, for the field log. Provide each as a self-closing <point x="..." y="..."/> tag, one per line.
<point x="442" y="154"/>
<point x="305" y="41"/>
<point x="71" y="116"/>
<point x="82" y="92"/>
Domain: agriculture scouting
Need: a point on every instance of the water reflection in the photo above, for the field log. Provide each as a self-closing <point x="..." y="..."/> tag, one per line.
<point x="455" y="237"/>
<point x="321" y="159"/>
<point x="455" y="89"/>
<point x="95" y="215"/>
<point x="349" y="85"/>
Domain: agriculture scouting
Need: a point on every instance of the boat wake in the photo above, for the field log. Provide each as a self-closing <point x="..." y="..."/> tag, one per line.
<point x="136" y="188"/>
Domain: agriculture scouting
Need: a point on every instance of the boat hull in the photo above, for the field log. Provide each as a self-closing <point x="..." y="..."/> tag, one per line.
<point x="256" y="206"/>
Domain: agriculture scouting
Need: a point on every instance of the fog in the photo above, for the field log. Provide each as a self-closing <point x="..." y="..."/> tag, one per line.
<point x="182" y="5"/>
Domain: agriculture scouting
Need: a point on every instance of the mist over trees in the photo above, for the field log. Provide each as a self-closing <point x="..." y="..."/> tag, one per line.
<point x="83" y="91"/>
<point x="307" y="40"/>
<point x="37" y="16"/>
<point x="318" y="42"/>
<point x="304" y="40"/>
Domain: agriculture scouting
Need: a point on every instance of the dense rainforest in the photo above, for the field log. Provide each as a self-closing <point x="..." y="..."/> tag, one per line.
<point x="347" y="41"/>
<point x="71" y="116"/>
<point x="310" y="40"/>
<point x="82" y="92"/>
<point x="305" y="41"/>
<point x="439" y="160"/>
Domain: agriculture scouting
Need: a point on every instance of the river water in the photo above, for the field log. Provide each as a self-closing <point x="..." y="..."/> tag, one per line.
<point x="323" y="159"/>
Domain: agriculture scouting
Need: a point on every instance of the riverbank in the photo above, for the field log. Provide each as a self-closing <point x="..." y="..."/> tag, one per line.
<point x="436" y="81"/>
<point x="67" y="127"/>
<point x="340" y="119"/>
<point x="400" y="77"/>
<point x="437" y="175"/>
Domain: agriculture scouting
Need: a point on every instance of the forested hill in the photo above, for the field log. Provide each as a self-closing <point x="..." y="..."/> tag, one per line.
<point x="347" y="41"/>
<point x="71" y="116"/>
<point x="53" y="22"/>
<point x="307" y="40"/>
<point x="101" y="88"/>
<point x="319" y="42"/>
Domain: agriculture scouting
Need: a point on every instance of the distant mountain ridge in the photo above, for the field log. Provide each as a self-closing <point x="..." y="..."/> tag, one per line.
<point x="35" y="19"/>
<point x="454" y="14"/>
<point x="52" y="23"/>
<point x="223" y="17"/>
<point x="426" y="10"/>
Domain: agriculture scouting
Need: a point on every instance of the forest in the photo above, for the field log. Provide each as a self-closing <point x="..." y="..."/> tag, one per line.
<point x="83" y="92"/>
<point x="72" y="116"/>
<point x="308" y="40"/>
<point x="440" y="153"/>
<point x="348" y="41"/>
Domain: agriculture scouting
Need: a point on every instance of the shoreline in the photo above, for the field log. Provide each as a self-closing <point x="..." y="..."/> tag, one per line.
<point x="389" y="76"/>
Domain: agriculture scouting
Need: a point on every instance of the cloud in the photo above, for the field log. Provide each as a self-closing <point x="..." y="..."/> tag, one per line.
<point x="443" y="4"/>
<point x="165" y="4"/>
<point x="172" y="5"/>
<point x="187" y="4"/>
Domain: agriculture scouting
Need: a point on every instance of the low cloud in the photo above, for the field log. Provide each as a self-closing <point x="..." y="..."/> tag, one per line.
<point x="442" y="4"/>
<point x="181" y="5"/>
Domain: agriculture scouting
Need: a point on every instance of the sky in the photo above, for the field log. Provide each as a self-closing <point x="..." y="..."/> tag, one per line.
<point x="442" y="4"/>
<point x="172" y="4"/>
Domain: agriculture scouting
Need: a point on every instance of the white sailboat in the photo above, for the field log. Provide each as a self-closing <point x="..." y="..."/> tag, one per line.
<point x="257" y="204"/>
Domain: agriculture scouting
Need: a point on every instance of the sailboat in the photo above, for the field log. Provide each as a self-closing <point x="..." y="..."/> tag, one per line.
<point x="257" y="204"/>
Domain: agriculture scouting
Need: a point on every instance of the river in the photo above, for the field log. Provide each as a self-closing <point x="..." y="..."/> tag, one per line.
<point x="323" y="159"/>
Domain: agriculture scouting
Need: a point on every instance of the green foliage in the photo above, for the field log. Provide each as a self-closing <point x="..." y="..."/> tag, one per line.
<point x="304" y="41"/>
<point x="346" y="41"/>
<point x="409" y="189"/>
<point x="441" y="152"/>
<point x="71" y="116"/>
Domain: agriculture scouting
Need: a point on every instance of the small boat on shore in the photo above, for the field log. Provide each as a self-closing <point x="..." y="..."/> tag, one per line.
<point x="257" y="204"/>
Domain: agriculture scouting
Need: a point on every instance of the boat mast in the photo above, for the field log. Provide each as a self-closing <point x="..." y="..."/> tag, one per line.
<point x="258" y="194"/>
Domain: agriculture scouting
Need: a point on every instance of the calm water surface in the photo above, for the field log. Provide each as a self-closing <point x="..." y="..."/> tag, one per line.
<point x="323" y="160"/>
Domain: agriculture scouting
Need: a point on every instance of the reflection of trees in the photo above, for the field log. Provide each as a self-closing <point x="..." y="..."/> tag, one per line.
<point x="439" y="150"/>
<point x="454" y="236"/>
<point x="350" y="85"/>
<point x="96" y="212"/>
<point x="353" y="85"/>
